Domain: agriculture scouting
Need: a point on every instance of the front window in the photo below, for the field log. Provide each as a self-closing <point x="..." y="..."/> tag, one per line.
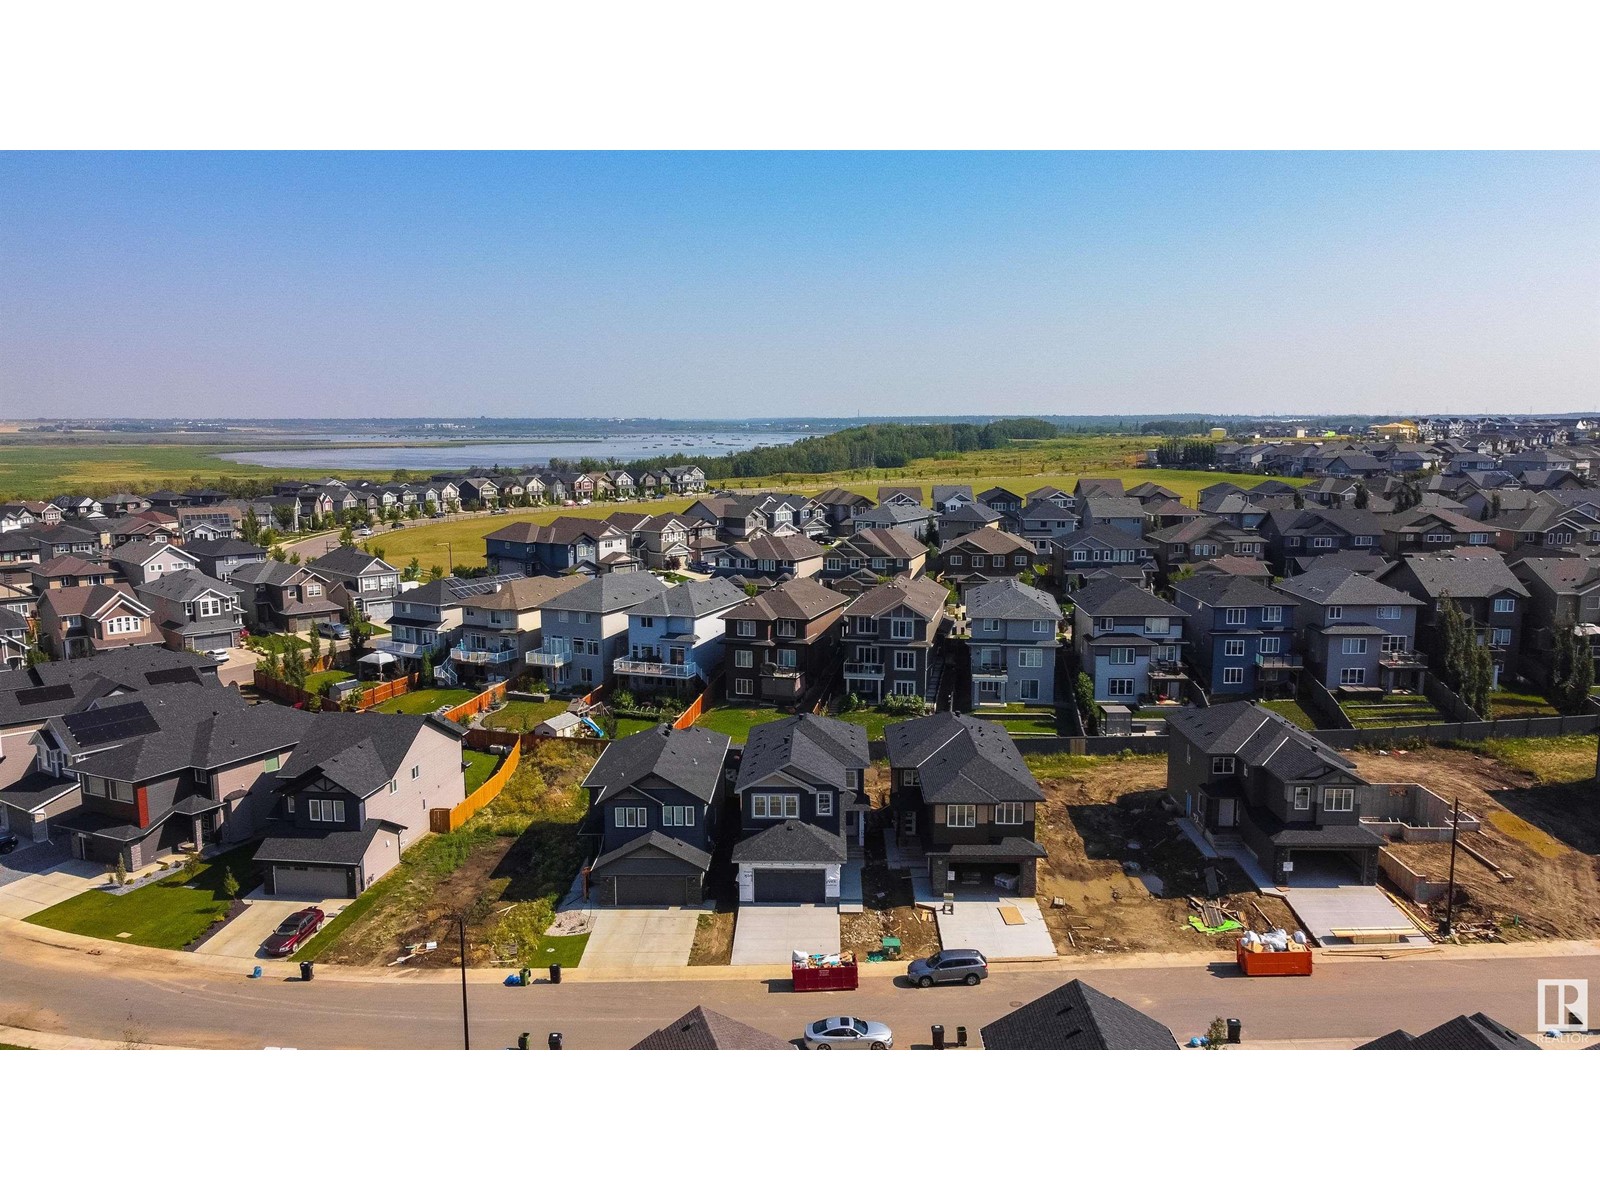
<point x="1009" y="814"/>
<point x="1157" y="626"/>
<point x="1395" y="644"/>
<point x="1234" y="616"/>
<point x="1302" y="798"/>
<point x="1505" y="604"/>
<point x="744" y="687"/>
<point x="1272" y="614"/>
<point x="631" y="818"/>
<point x="905" y="660"/>
<point x="1115" y="687"/>
<point x="1500" y="637"/>
<point x="786" y="629"/>
<point x="1233" y="648"/>
<point x="744" y="629"/>
<point x="1389" y="612"/>
<point x="774" y="806"/>
<point x="1222" y="765"/>
<point x="1232" y="674"/>
<point x="1338" y="799"/>
<point x="824" y="804"/>
<point x="1271" y="645"/>
<point x="991" y="625"/>
<point x="1352" y="676"/>
<point x="961" y="816"/>
<point x="902" y="628"/>
<point x="1335" y="612"/>
<point x="1353" y="645"/>
<point x="1122" y="656"/>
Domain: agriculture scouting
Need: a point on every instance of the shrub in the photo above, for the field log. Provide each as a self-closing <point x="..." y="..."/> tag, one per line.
<point x="904" y="706"/>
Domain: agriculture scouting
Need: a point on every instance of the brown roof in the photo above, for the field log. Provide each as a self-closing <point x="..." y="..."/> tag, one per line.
<point x="798" y="600"/>
<point x="990" y="541"/>
<point x="922" y="596"/>
<point x="526" y="593"/>
<point x="89" y="600"/>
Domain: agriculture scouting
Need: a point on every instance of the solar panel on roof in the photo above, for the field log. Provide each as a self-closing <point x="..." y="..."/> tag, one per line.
<point x="43" y="695"/>
<point x="100" y="725"/>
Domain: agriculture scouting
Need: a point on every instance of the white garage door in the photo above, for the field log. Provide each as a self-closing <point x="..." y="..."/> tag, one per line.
<point x="311" y="883"/>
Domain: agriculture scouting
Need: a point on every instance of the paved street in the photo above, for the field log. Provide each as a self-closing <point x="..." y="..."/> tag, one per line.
<point x="65" y="989"/>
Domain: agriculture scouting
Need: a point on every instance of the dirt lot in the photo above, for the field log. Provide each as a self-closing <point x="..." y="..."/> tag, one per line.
<point x="887" y="897"/>
<point x="713" y="940"/>
<point x="1545" y="835"/>
<point x="1098" y="815"/>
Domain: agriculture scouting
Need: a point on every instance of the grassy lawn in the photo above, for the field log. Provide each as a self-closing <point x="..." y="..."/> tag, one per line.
<point x="280" y="642"/>
<point x="737" y="722"/>
<point x="479" y="767"/>
<point x="628" y="726"/>
<point x="321" y="679"/>
<point x="872" y="720"/>
<point x="1039" y="726"/>
<point x="168" y="914"/>
<point x="426" y="542"/>
<point x="1392" y="711"/>
<point x="1566" y="759"/>
<point x="420" y="703"/>
<point x="521" y="716"/>
<point x="1291" y="710"/>
<point x="1506" y="703"/>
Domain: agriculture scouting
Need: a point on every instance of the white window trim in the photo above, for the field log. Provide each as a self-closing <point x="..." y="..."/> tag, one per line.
<point x="961" y="816"/>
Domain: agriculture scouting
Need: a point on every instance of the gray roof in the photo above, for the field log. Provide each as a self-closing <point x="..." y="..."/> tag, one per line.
<point x="1259" y="736"/>
<point x="335" y="847"/>
<point x="223" y="548"/>
<point x="143" y="551"/>
<point x="819" y="748"/>
<point x="30" y="695"/>
<point x="1007" y="599"/>
<point x="1108" y="596"/>
<point x="961" y="760"/>
<point x="791" y="842"/>
<point x="689" y="759"/>
<point x="184" y="586"/>
<point x="359" y="752"/>
<point x="693" y="599"/>
<point x="1469" y="576"/>
<point x="973" y="513"/>
<point x="1099" y="505"/>
<point x="1477" y="1032"/>
<point x="676" y="847"/>
<point x="702" y="1029"/>
<point x="1076" y="1016"/>
<point x="1337" y="585"/>
<point x="610" y="593"/>
<point x="798" y="600"/>
<point x="1231" y="591"/>
<point x="347" y="560"/>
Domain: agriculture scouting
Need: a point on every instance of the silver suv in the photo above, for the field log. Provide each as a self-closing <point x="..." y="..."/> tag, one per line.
<point x="949" y="966"/>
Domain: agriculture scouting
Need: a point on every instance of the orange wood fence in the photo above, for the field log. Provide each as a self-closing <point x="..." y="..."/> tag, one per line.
<point x="448" y="820"/>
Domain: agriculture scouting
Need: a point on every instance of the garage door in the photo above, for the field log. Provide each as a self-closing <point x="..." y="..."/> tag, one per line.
<point x="651" y="889"/>
<point x="214" y="641"/>
<point x="311" y="883"/>
<point x="805" y="887"/>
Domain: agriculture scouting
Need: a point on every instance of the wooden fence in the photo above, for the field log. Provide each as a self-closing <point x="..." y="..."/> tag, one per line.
<point x="692" y="713"/>
<point x="448" y="820"/>
<point x="479" y="703"/>
<point x="286" y="693"/>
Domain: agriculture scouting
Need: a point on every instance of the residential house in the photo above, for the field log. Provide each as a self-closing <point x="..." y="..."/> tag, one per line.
<point x="480" y="492"/>
<point x="776" y="556"/>
<point x="1076" y="1016"/>
<point x="802" y="802"/>
<point x="585" y="630"/>
<point x="655" y="806"/>
<point x="499" y="626"/>
<point x="783" y="645"/>
<point x="911" y="519"/>
<point x="959" y="788"/>
<point x="947" y="497"/>
<point x="564" y="544"/>
<point x="89" y="618"/>
<point x="280" y="597"/>
<point x="15" y="637"/>
<point x="19" y="554"/>
<point x="1193" y="542"/>
<point x="1563" y="592"/>
<point x="1123" y="513"/>
<point x="1129" y="642"/>
<point x="353" y="794"/>
<point x="1012" y="644"/>
<point x="1312" y="532"/>
<point x="67" y="571"/>
<point x="1477" y="1032"/>
<point x="1240" y="633"/>
<point x="426" y="620"/>
<point x="1357" y="633"/>
<point x="371" y="583"/>
<point x="1042" y="523"/>
<point x="891" y="640"/>
<point x="194" y="612"/>
<point x="1249" y="779"/>
<point x="1003" y="501"/>
<point x="663" y="542"/>
<point x="840" y="507"/>
<point x="900" y="494"/>
<point x="1084" y="552"/>
<point x="675" y="638"/>
<point x="1427" y="530"/>
<point x="221" y="557"/>
<point x="685" y="481"/>
<point x="984" y="555"/>
<point x="142" y="562"/>
<point x="1482" y="587"/>
<point x="878" y="552"/>
<point x="957" y="522"/>
<point x="67" y="539"/>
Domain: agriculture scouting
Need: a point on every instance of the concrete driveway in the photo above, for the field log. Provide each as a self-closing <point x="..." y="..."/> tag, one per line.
<point x="44" y="884"/>
<point x="242" y="936"/>
<point x="1326" y="907"/>
<point x="641" y="937"/>
<point x="979" y="923"/>
<point x="768" y="934"/>
<point x="240" y="667"/>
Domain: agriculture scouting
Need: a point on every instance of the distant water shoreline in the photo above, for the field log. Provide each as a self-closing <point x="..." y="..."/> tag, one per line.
<point x="528" y="452"/>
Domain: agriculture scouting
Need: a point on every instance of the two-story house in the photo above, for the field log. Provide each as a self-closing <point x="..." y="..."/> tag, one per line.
<point x="1042" y="522"/>
<point x="1357" y="632"/>
<point x="947" y="497"/>
<point x="175" y="763"/>
<point x="221" y="557"/>
<point x="802" y="803"/>
<point x="877" y="552"/>
<point x="426" y="619"/>
<point x="655" y="808"/>
<point x="662" y="541"/>
<point x="69" y="571"/>
<point x="911" y="519"/>
<point x="499" y="626"/>
<point x="1012" y="646"/>
<point x="194" y="612"/>
<point x="1085" y="552"/>
<point x="891" y="638"/>
<point x="675" y="639"/>
<point x="773" y="556"/>
<point x="840" y="507"/>
<point x="564" y="544"/>
<point x="1563" y="592"/>
<point x="1428" y="530"/>
<point x="1481" y="586"/>
<point x="1241" y="635"/>
<point x="281" y="597"/>
<point x="983" y="555"/>
<point x="1195" y="541"/>
<point x="88" y="619"/>
<point x="1295" y="533"/>
<point x="1129" y="641"/>
<point x="959" y="788"/>
<point x="585" y="631"/>
<point x="139" y="562"/>
<point x="783" y="644"/>
<point x="1119" y="512"/>
<point x="371" y="583"/>
<point x="1242" y="773"/>
<point x="957" y="522"/>
<point x="352" y="795"/>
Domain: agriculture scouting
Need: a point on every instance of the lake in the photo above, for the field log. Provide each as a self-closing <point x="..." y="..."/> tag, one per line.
<point x="376" y="459"/>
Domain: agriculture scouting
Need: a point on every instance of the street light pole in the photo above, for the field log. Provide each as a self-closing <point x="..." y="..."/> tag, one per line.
<point x="1447" y="928"/>
<point x="466" y="1029"/>
<point x="449" y="554"/>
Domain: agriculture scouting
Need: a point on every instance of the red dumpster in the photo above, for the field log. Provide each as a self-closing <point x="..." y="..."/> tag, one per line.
<point x="812" y="976"/>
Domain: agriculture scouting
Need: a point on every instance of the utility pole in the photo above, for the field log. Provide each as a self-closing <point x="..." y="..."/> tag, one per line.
<point x="466" y="1029"/>
<point x="449" y="554"/>
<point x="1447" y="927"/>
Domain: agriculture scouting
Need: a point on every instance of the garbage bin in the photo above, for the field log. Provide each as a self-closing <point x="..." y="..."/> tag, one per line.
<point x="1234" y="1030"/>
<point x="527" y="976"/>
<point x="961" y="1035"/>
<point x="306" y="971"/>
<point x="522" y="1041"/>
<point x="555" y="1041"/>
<point x="555" y="972"/>
<point x="938" y="1037"/>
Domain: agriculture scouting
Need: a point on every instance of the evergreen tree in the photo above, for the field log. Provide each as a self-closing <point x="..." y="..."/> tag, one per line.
<point x="1362" y="495"/>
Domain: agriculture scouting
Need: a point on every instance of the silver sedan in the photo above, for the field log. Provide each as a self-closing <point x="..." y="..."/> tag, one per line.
<point x="848" y="1033"/>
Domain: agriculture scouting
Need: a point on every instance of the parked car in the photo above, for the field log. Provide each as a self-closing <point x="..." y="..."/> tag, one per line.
<point x="333" y="629"/>
<point x="364" y="531"/>
<point x="848" y="1033"/>
<point x="8" y="842"/>
<point x="218" y="655"/>
<point x="949" y="966"/>
<point x="294" y="932"/>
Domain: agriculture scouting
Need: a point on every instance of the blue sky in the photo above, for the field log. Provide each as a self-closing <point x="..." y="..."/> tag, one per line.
<point x="735" y="284"/>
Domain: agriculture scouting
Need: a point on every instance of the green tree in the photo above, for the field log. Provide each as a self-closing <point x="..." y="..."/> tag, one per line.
<point x="347" y="536"/>
<point x="436" y="572"/>
<point x="360" y="631"/>
<point x="1571" y="671"/>
<point x="250" y="526"/>
<point x="413" y="570"/>
<point x="230" y="885"/>
<point x="315" y="640"/>
<point x="294" y="669"/>
<point x="1363" y="496"/>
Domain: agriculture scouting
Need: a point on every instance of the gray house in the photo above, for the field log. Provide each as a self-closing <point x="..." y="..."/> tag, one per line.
<point x="801" y="802"/>
<point x="1357" y="633"/>
<point x="891" y="634"/>
<point x="1013" y="643"/>
<point x="371" y="582"/>
<point x="586" y="630"/>
<point x="1128" y="641"/>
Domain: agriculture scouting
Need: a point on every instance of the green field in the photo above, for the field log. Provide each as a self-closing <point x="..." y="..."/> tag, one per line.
<point x="1506" y="703"/>
<point x="31" y="472"/>
<point x="425" y="701"/>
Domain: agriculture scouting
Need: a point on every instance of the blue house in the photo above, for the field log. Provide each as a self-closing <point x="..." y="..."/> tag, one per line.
<point x="1241" y="634"/>
<point x="1129" y="641"/>
<point x="1359" y="634"/>
<point x="567" y="543"/>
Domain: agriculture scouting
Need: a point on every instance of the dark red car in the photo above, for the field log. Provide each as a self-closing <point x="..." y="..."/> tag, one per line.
<point x="296" y="928"/>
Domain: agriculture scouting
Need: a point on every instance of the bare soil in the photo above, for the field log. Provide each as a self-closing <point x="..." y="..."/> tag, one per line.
<point x="1546" y="836"/>
<point x="890" y="912"/>
<point x="1100" y="815"/>
<point x="713" y="940"/>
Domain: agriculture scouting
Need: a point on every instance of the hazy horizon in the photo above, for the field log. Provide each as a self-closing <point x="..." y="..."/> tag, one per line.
<point x="782" y="286"/>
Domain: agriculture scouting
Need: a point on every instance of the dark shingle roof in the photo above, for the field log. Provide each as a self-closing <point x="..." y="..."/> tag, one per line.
<point x="1007" y="599"/>
<point x="962" y="760"/>
<point x="676" y="847"/>
<point x="820" y="748"/>
<point x="1108" y="596"/>
<point x="796" y="600"/>
<point x="1477" y="1032"/>
<point x="1468" y="576"/>
<point x="791" y="842"/>
<point x="1337" y="585"/>
<point x="359" y="752"/>
<point x="1259" y="736"/>
<point x="1231" y="591"/>
<point x="1077" y="1017"/>
<point x="337" y="847"/>
<point x="697" y="598"/>
<point x="690" y="759"/>
<point x="921" y="596"/>
<point x="702" y="1029"/>
<point x="32" y="694"/>
<point x="610" y="593"/>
